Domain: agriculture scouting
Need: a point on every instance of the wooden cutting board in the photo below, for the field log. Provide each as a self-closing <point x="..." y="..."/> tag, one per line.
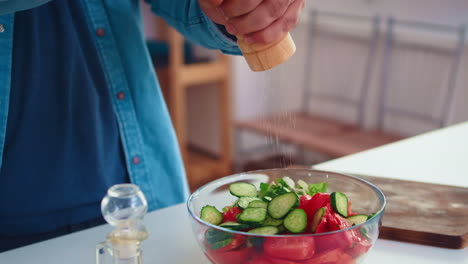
<point x="424" y="213"/>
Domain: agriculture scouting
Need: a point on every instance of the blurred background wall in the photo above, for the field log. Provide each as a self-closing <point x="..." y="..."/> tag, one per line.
<point x="259" y="93"/>
<point x="280" y="90"/>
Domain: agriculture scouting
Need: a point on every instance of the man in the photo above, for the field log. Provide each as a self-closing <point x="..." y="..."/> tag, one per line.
<point x="81" y="109"/>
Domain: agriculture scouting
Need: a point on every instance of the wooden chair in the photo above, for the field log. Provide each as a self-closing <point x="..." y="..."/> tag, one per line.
<point x="317" y="132"/>
<point x="421" y="61"/>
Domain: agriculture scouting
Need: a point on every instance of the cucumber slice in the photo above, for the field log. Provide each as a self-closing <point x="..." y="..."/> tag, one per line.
<point x="258" y="204"/>
<point x="270" y="221"/>
<point x="371" y="216"/>
<point x="296" y="221"/>
<point x="365" y="233"/>
<point x="244" y="202"/>
<point x="253" y="216"/>
<point x="211" y="215"/>
<point x="213" y="235"/>
<point x="281" y="228"/>
<point x="220" y="244"/>
<point x="265" y="230"/>
<point x="255" y="241"/>
<point x="339" y="202"/>
<point x="318" y="216"/>
<point x="243" y="189"/>
<point x="281" y="205"/>
<point x="357" y="219"/>
<point x="234" y="225"/>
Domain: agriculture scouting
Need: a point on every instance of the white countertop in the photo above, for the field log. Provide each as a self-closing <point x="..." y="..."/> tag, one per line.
<point x="437" y="157"/>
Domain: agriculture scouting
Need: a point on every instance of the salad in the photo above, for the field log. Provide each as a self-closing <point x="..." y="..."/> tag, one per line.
<point x="284" y="207"/>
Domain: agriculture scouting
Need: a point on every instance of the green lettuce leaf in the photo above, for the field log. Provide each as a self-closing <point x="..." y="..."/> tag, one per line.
<point x="314" y="188"/>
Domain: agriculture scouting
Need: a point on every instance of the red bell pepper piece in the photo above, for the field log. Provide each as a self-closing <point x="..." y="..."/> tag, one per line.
<point x="350" y="211"/>
<point x="317" y="201"/>
<point x="230" y="214"/>
<point x="323" y="225"/>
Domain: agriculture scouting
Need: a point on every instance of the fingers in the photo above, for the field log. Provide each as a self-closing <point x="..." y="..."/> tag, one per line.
<point x="260" y="21"/>
<point x="235" y="8"/>
<point x="280" y="27"/>
<point x="212" y="9"/>
<point x="260" y="18"/>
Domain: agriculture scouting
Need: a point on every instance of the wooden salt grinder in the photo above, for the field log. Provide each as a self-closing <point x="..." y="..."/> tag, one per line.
<point x="265" y="57"/>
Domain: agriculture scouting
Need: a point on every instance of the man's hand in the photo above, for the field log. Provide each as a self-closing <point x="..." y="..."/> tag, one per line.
<point x="258" y="21"/>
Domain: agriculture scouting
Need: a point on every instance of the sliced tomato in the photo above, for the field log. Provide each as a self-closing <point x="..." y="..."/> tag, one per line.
<point x="333" y="241"/>
<point x="357" y="244"/>
<point x="322" y="226"/>
<point x="230" y="214"/>
<point x="237" y="242"/>
<point x="330" y="242"/>
<point x="335" y="256"/>
<point x="359" y="248"/>
<point x="335" y="221"/>
<point x="343" y="240"/>
<point x="290" y="248"/>
<point x="231" y="256"/>
<point x="346" y="259"/>
<point x="259" y="259"/>
<point x="281" y="261"/>
<point x="331" y="256"/>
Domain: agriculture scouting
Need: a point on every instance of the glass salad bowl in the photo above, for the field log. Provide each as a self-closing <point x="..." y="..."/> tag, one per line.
<point x="286" y="216"/>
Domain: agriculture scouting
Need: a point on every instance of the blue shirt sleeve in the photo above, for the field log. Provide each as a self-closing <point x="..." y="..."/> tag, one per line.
<point x="10" y="6"/>
<point x="187" y="17"/>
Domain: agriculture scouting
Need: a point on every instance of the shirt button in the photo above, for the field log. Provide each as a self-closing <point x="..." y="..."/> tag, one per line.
<point x="100" y="32"/>
<point x="120" y="95"/>
<point x="136" y="160"/>
<point x="2" y="28"/>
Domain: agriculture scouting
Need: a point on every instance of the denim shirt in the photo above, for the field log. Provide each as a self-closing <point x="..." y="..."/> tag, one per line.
<point x="152" y="155"/>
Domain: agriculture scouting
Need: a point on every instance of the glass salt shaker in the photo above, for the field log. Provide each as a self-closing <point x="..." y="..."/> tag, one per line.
<point x="123" y="207"/>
